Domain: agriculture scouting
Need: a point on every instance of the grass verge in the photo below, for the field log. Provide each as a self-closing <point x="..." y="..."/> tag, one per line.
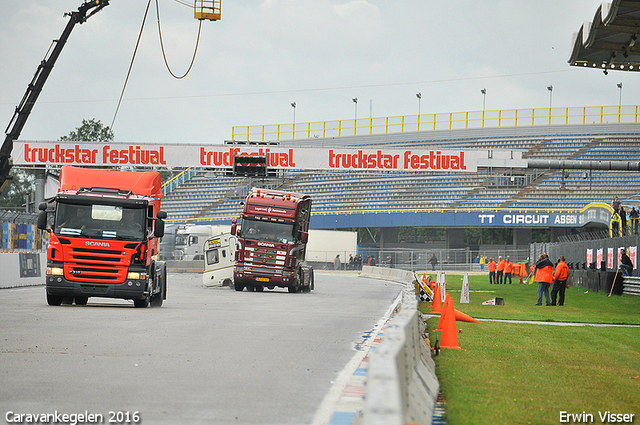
<point x="514" y="373"/>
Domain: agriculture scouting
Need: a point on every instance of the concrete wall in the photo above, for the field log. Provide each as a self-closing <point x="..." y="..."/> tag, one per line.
<point x="22" y="269"/>
<point x="402" y="386"/>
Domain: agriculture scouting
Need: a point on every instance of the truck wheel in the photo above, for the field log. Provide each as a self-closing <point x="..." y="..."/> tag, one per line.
<point x="143" y="303"/>
<point x="54" y="299"/>
<point x="238" y="286"/>
<point x="81" y="300"/>
<point x="161" y="279"/>
<point x="226" y="282"/>
<point x="156" y="300"/>
<point x="259" y="288"/>
<point x="67" y="300"/>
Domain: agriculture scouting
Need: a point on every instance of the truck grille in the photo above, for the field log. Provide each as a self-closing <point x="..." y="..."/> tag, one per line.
<point x="96" y="265"/>
<point x="265" y="257"/>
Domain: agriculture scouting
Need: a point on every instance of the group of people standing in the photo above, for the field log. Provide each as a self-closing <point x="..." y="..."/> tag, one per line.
<point x="499" y="272"/>
<point x="619" y="222"/>
<point x="546" y="275"/>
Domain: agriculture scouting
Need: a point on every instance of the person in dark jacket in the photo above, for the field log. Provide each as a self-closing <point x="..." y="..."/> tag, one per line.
<point x="544" y="277"/>
<point x="625" y="263"/>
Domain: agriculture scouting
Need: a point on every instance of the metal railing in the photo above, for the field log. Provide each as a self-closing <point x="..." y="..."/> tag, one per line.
<point x="439" y="121"/>
<point x="179" y="180"/>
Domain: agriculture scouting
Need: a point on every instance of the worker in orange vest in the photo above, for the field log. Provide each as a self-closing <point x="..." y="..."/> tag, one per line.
<point x="560" y="276"/>
<point x="492" y="271"/>
<point x="500" y="273"/>
<point x="544" y="277"/>
<point x="508" y="270"/>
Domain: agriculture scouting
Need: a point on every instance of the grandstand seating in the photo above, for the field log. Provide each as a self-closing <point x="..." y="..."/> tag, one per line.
<point x="211" y="194"/>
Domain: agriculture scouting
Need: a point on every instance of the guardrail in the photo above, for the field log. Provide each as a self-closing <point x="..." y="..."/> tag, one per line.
<point x="631" y="285"/>
<point x="402" y="386"/>
<point x="439" y="121"/>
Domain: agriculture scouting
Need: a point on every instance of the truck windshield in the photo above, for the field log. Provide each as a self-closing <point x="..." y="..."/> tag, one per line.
<point x="100" y="221"/>
<point x="267" y="231"/>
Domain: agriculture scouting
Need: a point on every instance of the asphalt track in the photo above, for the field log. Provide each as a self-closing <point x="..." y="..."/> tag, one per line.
<point x="207" y="356"/>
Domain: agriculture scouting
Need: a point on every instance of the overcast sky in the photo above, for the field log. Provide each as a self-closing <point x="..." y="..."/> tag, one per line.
<point x="265" y="54"/>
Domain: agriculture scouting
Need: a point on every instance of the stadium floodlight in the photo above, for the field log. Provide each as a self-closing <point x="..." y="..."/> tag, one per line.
<point x="355" y="101"/>
<point x="620" y="99"/>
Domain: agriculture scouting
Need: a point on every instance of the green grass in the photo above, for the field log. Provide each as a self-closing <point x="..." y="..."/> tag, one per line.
<point x="513" y="373"/>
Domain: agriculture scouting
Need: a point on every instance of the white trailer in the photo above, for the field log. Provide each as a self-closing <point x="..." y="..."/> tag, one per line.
<point x="219" y="255"/>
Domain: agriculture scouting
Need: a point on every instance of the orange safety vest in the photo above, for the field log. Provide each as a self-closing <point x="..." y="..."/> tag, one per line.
<point x="501" y="264"/>
<point x="545" y="275"/>
<point x="561" y="272"/>
<point x="492" y="266"/>
<point x="508" y="267"/>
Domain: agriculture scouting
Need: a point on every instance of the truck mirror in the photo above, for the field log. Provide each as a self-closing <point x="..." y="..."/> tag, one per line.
<point x="159" y="230"/>
<point x="162" y="214"/>
<point x="42" y="206"/>
<point x="234" y="226"/>
<point x="42" y="219"/>
<point x="304" y="237"/>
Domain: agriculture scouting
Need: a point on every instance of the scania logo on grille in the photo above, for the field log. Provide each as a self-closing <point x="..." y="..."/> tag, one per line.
<point x="75" y="272"/>
<point x="266" y="244"/>
<point x="94" y="243"/>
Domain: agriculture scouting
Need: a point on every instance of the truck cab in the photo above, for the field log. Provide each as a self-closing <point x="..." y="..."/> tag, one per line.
<point x="272" y="240"/>
<point x="104" y="240"/>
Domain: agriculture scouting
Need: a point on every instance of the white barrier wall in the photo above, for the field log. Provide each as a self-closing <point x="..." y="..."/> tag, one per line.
<point x="22" y="269"/>
<point x="402" y="386"/>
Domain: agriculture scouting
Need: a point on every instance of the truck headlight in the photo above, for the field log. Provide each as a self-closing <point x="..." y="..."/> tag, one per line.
<point x="287" y="273"/>
<point x="136" y="275"/>
<point x="55" y="271"/>
<point x="239" y="269"/>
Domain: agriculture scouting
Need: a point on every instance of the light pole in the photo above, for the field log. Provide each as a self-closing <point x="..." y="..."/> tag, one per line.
<point x="550" y="88"/>
<point x="293" y="105"/>
<point x="484" y="99"/>
<point x="619" y="101"/>
<point x="419" y="96"/>
<point x="355" y="118"/>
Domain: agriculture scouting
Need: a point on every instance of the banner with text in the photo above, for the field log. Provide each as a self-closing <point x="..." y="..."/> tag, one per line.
<point x="208" y="156"/>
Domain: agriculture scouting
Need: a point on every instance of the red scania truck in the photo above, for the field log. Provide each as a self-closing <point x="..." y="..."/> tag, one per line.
<point x="272" y="242"/>
<point x="105" y="227"/>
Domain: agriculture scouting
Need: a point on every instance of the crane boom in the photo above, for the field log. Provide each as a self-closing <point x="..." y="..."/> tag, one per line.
<point x="19" y="119"/>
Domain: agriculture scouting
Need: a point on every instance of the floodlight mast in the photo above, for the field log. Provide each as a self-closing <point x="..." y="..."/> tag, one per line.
<point x="23" y="110"/>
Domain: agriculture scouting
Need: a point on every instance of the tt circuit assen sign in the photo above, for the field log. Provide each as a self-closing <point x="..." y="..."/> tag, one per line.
<point x="211" y="156"/>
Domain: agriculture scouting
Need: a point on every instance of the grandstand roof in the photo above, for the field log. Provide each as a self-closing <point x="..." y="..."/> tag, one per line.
<point x="610" y="41"/>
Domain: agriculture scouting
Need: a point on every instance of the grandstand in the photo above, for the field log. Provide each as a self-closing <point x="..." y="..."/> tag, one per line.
<point x="212" y="196"/>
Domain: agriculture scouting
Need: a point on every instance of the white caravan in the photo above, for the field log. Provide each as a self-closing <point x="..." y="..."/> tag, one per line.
<point x="219" y="255"/>
<point x="189" y="240"/>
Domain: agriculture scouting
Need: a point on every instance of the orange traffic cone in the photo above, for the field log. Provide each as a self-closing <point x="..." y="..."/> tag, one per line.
<point x="436" y="304"/>
<point x="450" y="333"/>
<point x="445" y="310"/>
<point x="461" y="317"/>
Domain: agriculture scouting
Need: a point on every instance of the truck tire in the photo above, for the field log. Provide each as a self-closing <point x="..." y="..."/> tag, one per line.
<point x="143" y="303"/>
<point x="81" y="300"/>
<point x="161" y="279"/>
<point x="313" y="281"/>
<point x="238" y="286"/>
<point x="54" y="299"/>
